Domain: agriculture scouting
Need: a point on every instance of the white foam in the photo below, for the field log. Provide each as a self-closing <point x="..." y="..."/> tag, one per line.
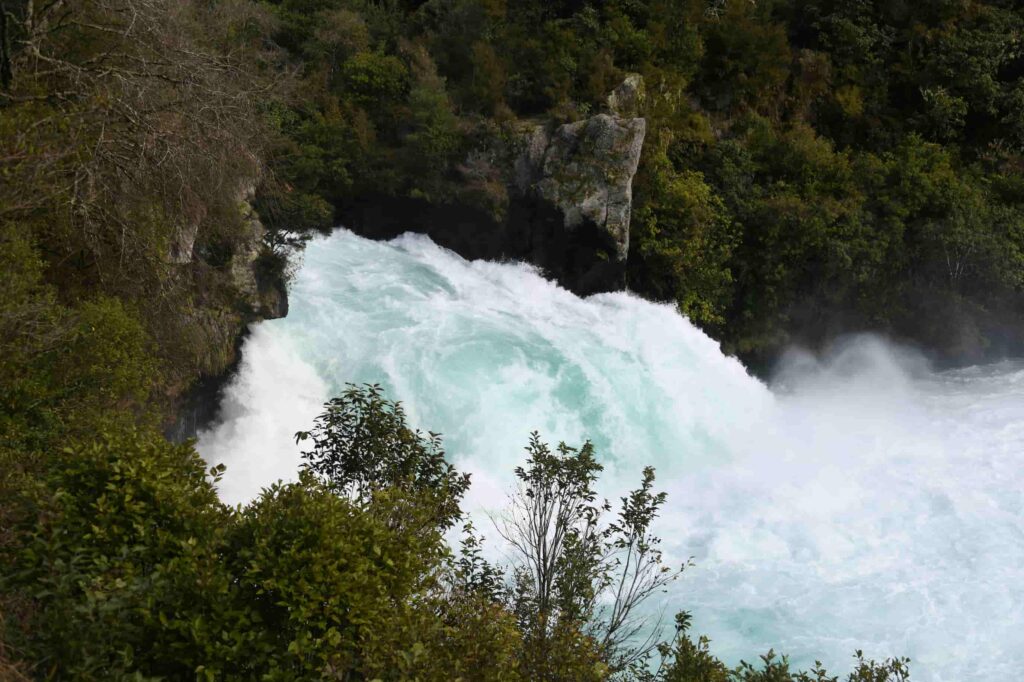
<point x="868" y="503"/>
<point x="274" y="394"/>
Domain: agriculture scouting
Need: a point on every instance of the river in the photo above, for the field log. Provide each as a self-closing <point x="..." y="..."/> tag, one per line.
<point x="858" y="501"/>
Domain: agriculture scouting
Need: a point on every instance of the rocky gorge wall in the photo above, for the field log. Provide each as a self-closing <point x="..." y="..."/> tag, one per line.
<point x="560" y="197"/>
<point x="220" y="322"/>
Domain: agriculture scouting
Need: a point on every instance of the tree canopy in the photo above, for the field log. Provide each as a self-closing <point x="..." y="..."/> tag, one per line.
<point x="118" y="561"/>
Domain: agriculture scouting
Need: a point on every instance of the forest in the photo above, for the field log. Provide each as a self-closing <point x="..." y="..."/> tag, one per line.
<point x="810" y="169"/>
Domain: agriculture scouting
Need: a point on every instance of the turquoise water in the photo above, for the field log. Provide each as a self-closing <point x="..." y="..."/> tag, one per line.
<point x="861" y="501"/>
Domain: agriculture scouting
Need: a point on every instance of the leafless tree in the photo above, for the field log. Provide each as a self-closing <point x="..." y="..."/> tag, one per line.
<point x="125" y="116"/>
<point x="571" y="566"/>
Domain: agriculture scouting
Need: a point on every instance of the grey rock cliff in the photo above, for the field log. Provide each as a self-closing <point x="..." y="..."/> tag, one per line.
<point x="585" y="169"/>
<point x="557" y="196"/>
<point x="263" y="299"/>
<point x="576" y="181"/>
<point x="182" y="243"/>
<point x="255" y="296"/>
<point x="239" y="292"/>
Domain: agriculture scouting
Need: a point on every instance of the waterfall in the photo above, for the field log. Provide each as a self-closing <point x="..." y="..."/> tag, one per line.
<point x="860" y="501"/>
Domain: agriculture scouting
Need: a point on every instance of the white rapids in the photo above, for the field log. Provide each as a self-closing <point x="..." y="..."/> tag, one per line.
<point x="860" y="502"/>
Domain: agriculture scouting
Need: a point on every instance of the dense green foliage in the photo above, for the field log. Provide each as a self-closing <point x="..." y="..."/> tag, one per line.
<point x="118" y="561"/>
<point x="361" y="445"/>
<point x="810" y="168"/>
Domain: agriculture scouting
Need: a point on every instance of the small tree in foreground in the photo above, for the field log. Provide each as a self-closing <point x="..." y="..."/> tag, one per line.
<point x="362" y="447"/>
<point x="575" y="573"/>
<point x="118" y="561"/>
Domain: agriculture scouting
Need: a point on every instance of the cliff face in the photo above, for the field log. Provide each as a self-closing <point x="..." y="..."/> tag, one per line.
<point x="587" y="173"/>
<point x="260" y="296"/>
<point x="219" y="322"/>
<point x="557" y="196"/>
<point x="584" y="171"/>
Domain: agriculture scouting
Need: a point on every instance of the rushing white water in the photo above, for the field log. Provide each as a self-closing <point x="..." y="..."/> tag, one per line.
<point x="863" y="502"/>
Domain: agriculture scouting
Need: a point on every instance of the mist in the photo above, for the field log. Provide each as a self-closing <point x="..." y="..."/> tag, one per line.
<point x="860" y="499"/>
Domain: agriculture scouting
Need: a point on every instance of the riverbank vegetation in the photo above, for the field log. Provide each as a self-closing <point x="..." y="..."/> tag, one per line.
<point x="810" y="168"/>
<point x="119" y="562"/>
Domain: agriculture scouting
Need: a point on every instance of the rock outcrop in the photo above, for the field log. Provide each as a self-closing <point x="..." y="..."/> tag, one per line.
<point x="627" y="100"/>
<point x="557" y="196"/>
<point x="260" y="296"/>
<point x="182" y="243"/>
<point x="241" y="290"/>
<point x="256" y="295"/>
<point x="585" y="171"/>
